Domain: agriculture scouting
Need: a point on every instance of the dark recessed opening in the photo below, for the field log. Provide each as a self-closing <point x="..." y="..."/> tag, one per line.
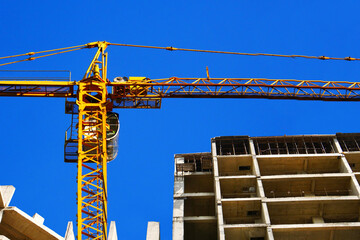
<point x="253" y="213"/>
<point x="257" y="238"/>
<point x="244" y="168"/>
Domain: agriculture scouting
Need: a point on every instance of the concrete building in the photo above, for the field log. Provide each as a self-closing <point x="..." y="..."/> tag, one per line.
<point x="257" y="188"/>
<point x="17" y="225"/>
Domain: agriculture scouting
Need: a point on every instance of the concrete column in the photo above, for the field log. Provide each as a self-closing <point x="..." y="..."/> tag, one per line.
<point x="153" y="231"/>
<point x="260" y="192"/>
<point x="178" y="210"/>
<point x="256" y="170"/>
<point x="220" y="218"/>
<point x="6" y="193"/>
<point x="345" y="168"/>
<point x="354" y="186"/>
<point x="337" y="146"/>
<point x="178" y="161"/>
<point x="217" y="190"/>
<point x="270" y="235"/>
<point x="69" y="234"/>
<point x="260" y="188"/>
<point x="265" y="214"/>
<point x="178" y="220"/>
<point x="112" y="231"/>
<point x="344" y="165"/>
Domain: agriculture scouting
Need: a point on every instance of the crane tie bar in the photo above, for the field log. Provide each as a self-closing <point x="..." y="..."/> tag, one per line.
<point x="94" y="44"/>
<point x="31" y="54"/>
<point x="238" y="53"/>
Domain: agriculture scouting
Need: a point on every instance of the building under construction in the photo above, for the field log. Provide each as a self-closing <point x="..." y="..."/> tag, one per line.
<point x="249" y="188"/>
<point x="257" y="188"/>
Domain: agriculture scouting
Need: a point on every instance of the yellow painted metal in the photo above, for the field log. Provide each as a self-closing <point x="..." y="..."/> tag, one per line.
<point x="92" y="149"/>
<point x="38" y="83"/>
<point x="137" y="79"/>
<point x="236" y="88"/>
<point x="95" y="62"/>
<point x="135" y="88"/>
<point x="92" y="159"/>
<point x="37" y="88"/>
<point x="144" y="93"/>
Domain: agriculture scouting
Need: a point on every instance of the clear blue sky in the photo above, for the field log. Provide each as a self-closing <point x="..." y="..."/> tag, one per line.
<point x="141" y="178"/>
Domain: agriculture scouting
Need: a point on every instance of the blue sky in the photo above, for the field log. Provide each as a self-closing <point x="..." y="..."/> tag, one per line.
<point x="141" y="178"/>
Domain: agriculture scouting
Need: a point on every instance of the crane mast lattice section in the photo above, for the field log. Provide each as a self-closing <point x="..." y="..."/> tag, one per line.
<point x="92" y="159"/>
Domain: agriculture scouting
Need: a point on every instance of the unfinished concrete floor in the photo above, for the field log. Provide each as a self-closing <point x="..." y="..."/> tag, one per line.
<point x="257" y="188"/>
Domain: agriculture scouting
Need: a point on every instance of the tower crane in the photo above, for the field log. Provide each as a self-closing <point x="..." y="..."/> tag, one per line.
<point x="91" y="139"/>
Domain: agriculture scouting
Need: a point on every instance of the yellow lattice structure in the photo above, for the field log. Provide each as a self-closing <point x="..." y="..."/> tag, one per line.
<point x="92" y="174"/>
<point x="94" y="102"/>
<point x="92" y="151"/>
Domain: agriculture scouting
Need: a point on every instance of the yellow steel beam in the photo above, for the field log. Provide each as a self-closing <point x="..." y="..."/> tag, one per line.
<point x="40" y="83"/>
<point x="94" y="65"/>
<point x="37" y="88"/>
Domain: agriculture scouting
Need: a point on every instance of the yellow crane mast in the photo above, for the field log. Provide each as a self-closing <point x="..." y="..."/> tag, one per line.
<point x="92" y="150"/>
<point x="92" y="118"/>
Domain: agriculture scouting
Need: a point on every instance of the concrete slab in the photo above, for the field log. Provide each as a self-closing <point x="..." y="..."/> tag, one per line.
<point x="241" y="199"/>
<point x="200" y="218"/>
<point x="317" y="175"/>
<point x="15" y="224"/>
<point x="310" y="199"/>
<point x="327" y="226"/>
<point x="238" y="177"/>
<point x="153" y="231"/>
<point x="259" y="225"/>
<point x="300" y="155"/>
<point x="6" y="193"/>
<point x="194" y="195"/>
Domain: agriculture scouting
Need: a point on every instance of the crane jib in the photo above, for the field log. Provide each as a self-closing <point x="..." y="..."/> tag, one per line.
<point x="36" y="88"/>
<point x="194" y="88"/>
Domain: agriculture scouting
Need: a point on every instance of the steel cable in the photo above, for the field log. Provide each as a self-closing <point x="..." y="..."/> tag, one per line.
<point x="47" y="55"/>
<point x="238" y="53"/>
